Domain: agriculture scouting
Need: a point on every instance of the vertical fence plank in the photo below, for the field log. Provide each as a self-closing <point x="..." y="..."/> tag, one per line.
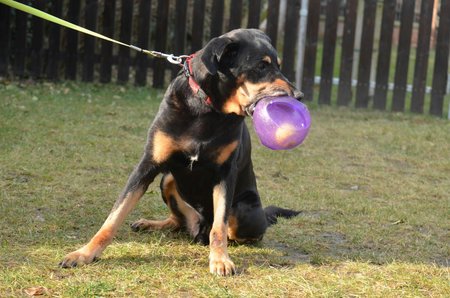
<point x="273" y="11"/>
<point x="290" y="38"/>
<point x="54" y="40"/>
<point x="108" y="17"/>
<point x="217" y="11"/>
<point x="312" y="34"/>
<point x="180" y="32"/>
<point x="403" y="50"/>
<point x="90" y="13"/>
<point x="71" y="56"/>
<point x="145" y="7"/>
<point x="384" y="55"/>
<point x="20" y="44"/>
<point x="235" y="14"/>
<point x="365" y="58"/>
<point x="441" y="60"/>
<point x="254" y="11"/>
<point x="126" y="20"/>
<point x="348" y="47"/>
<point x="423" y="48"/>
<point x="5" y="12"/>
<point x="198" y="19"/>
<point x="160" y="42"/>
<point x="37" y="39"/>
<point x="329" y="47"/>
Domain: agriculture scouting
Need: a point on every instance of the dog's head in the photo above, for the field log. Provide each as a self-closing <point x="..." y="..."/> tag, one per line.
<point x="239" y="68"/>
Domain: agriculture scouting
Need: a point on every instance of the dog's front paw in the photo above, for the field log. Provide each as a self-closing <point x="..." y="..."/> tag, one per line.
<point x="141" y="225"/>
<point x="222" y="266"/>
<point x="76" y="258"/>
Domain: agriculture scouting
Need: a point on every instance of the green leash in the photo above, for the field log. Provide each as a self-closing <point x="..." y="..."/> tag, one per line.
<point x="43" y="15"/>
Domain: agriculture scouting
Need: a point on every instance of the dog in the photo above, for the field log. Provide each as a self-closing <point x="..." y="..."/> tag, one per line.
<point x="200" y="144"/>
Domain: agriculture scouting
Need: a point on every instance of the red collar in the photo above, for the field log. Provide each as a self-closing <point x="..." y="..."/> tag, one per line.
<point x="192" y="83"/>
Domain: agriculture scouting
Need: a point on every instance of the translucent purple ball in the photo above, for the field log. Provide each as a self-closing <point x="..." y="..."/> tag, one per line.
<point x="281" y="123"/>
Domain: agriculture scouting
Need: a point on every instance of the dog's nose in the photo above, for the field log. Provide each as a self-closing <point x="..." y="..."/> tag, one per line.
<point x="298" y="94"/>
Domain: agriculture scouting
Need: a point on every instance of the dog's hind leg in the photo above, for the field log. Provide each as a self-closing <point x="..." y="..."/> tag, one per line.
<point x="137" y="184"/>
<point x="182" y="214"/>
<point x="247" y="222"/>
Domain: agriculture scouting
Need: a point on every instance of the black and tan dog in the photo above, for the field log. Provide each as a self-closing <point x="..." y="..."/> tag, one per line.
<point x="201" y="145"/>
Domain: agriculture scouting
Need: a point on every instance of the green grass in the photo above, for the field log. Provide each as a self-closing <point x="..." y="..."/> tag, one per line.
<point x="373" y="187"/>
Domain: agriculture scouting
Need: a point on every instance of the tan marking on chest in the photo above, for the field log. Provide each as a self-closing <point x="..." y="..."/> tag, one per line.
<point x="164" y="146"/>
<point x="225" y="152"/>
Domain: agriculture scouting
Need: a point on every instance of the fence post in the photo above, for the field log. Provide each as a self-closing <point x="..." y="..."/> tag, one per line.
<point x="365" y="57"/>
<point x="159" y="65"/>
<point x="198" y="18"/>
<point x="54" y="39"/>
<point x="90" y="19"/>
<point x="348" y="46"/>
<point x="254" y="11"/>
<point x="273" y="9"/>
<point x="107" y="47"/>
<point x="142" y="42"/>
<point x="126" y="21"/>
<point x="217" y="11"/>
<point x="37" y="29"/>
<point x="71" y="57"/>
<point x="312" y="33"/>
<point x="4" y="39"/>
<point x="180" y="32"/>
<point x="423" y="48"/>
<point x="441" y="60"/>
<point x="329" y="46"/>
<point x="235" y="14"/>
<point x="290" y="38"/>
<point x="20" y="44"/>
<point x="384" y="55"/>
<point x="403" y="51"/>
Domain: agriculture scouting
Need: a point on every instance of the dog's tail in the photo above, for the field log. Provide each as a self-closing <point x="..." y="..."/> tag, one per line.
<point x="272" y="212"/>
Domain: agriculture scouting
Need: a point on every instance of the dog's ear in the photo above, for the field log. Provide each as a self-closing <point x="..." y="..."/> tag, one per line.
<point x="220" y="51"/>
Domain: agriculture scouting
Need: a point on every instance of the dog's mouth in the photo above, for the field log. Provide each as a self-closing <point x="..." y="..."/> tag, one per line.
<point x="250" y="108"/>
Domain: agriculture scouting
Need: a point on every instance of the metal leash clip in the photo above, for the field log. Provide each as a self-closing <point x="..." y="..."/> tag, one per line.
<point x="170" y="57"/>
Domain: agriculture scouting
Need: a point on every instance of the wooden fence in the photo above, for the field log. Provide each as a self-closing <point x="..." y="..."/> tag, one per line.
<point x="339" y="62"/>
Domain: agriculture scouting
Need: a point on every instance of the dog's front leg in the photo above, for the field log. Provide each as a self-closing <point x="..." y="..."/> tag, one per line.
<point x="219" y="261"/>
<point x="137" y="184"/>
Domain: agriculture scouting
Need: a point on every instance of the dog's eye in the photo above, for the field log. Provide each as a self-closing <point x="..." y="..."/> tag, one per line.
<point x="263" y="65"/>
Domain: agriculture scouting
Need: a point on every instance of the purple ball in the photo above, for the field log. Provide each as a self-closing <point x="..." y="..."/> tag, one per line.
<point x="281" y="122"/>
